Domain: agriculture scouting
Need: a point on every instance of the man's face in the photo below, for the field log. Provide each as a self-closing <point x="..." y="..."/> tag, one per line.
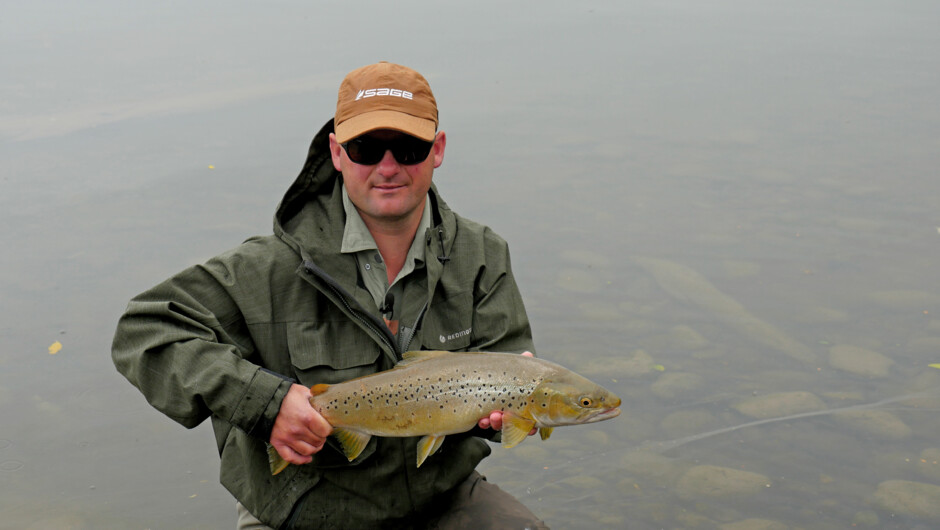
<point x="388" y="191"/>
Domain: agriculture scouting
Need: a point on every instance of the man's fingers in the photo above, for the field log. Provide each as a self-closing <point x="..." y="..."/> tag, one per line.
<point x="292" y="456"/>
<point x="319" y="426"/>
<point x="496" y="420"/>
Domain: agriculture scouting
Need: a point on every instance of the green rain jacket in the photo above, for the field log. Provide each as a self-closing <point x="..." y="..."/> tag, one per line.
<point x="224" y="340"/>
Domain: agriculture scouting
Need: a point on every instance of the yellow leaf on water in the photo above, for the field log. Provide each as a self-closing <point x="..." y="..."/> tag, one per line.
<point x="211" y="167"/>
<point x="659" y="368"/>
<point x="937" y="365"/>
<point x="54" y="349"/>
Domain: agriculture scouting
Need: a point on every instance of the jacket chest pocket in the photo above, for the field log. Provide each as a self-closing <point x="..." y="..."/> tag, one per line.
<point x="448" y="324"/>
<point x="330" y="352"/>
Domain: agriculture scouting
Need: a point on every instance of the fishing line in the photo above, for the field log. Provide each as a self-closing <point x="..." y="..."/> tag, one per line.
<point x="663" y="446"/>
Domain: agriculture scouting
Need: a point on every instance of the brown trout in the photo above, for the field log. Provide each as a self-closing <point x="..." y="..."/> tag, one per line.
<point x="436" y="393"/>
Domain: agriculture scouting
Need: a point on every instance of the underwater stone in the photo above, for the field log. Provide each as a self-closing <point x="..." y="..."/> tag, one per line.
<point x="707" y="481"/>
<point x="879" y="424"/>
<point x="859" y="361"/>
<point x="909" y="499"/>
<point x="779" y="405"/>
<point x="755" y="524"/>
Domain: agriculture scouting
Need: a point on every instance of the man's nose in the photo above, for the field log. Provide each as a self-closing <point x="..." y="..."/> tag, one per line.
<point x="388" y="166"/>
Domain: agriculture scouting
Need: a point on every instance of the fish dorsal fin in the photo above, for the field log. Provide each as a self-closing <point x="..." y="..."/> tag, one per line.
<point x="410" y="357"/>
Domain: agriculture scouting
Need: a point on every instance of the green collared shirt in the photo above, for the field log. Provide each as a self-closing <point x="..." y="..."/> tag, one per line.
<point x="411" y="280"/>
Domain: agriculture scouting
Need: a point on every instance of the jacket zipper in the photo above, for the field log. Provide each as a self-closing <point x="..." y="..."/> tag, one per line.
<point x="371" y="322"/>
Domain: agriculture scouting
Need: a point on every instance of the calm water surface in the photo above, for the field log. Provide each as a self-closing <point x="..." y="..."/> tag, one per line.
<point x="724" y="213"/>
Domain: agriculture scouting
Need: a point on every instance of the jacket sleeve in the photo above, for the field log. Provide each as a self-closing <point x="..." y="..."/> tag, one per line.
<point x="183" y="345"/>
<point x="499" y="313"/>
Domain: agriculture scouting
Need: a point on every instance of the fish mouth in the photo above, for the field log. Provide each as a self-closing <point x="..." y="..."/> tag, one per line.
<point x="604" y="415"/>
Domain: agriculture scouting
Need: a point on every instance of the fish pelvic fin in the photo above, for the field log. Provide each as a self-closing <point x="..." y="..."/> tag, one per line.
<point x="352" y="442"/>
<point x="277" y="463"/>
<point x="427" y="446"/>
<point x="515" y="429"/>
<point x="545" y="432"/>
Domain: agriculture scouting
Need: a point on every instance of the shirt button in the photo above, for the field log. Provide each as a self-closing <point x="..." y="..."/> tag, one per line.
<point x="368" y="267"/>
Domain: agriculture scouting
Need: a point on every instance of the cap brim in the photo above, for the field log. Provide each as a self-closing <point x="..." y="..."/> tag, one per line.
<point x="385" y="119"/>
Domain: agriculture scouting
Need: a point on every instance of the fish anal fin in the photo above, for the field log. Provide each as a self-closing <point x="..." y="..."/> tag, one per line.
<point x="427" y="446"/>
<point x="515" y="429"/>
<point x="316" y="390"/>
<point x="352" y="442"/>
<point x="545" y="432"/>
<point x="277" y="463"/>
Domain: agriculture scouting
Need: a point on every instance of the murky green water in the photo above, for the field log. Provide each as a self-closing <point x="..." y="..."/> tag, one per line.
<point x="726" y="213"/>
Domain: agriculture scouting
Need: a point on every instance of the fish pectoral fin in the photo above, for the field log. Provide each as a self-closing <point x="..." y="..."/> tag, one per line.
<point x="545" y="432"/>
<point x="277" y="463"/>
<point x="515" y="429"/>
<point x="427" y="446"/>
<point x="352" y="442"/>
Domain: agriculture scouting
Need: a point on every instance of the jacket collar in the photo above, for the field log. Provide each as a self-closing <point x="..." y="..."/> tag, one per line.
<point x="310" y="218"/>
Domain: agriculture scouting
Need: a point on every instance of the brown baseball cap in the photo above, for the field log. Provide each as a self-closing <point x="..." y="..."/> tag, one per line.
<point x="385" y="96"/>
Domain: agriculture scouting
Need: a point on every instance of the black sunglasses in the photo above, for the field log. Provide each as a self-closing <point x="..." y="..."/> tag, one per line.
<point x="368" y="150"/>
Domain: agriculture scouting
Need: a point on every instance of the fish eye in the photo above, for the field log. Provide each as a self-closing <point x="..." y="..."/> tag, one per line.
<point x="586" y="401"/>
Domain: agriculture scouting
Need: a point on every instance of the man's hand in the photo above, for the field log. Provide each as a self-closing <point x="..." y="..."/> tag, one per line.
<point x="299" y="430"/>
<point x="495" y="419"/>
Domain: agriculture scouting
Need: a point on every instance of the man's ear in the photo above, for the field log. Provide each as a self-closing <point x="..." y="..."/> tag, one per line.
<point x="438" y="149"/>
<point x="336" y="152"/>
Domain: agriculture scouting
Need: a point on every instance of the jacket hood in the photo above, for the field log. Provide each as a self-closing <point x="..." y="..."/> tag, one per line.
<point x="310" y="218"/>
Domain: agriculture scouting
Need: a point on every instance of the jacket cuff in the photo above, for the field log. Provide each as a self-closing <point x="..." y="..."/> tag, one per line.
<point x="258" y="408"/>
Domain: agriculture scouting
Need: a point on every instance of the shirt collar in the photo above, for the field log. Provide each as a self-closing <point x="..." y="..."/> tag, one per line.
<point x="356" y="236"/>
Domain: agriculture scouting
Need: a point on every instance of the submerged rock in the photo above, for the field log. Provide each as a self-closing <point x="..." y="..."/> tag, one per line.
<point x="650" y="467"/>
<point x="688" y="286"/>
<point x="718" y="482"/>
<point x="879" y="424"/>
<point x="687" y="422"/>
<point x="755" y="524"/>
<point x="686" y="338"/>
<point x="779" y="405"/>
<point x="672" y="385"/>
<point x="637" y="364"/>
<point x="859" y="361"/>
<point x="866" y="518"/>
<point x="909" y="499"/>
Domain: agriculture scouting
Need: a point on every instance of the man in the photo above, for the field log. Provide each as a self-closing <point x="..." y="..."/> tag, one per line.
<point x="366" y="262"/>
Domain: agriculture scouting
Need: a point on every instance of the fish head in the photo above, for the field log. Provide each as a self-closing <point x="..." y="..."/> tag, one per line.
<point x="572" y="400"/>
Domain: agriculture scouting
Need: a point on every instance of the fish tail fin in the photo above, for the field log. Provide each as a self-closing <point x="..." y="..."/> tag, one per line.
<point x="427" y="446"/>
<point x="352" y="442"/>
<point x="515" y="429"/>
<point x="277" y="463"/>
